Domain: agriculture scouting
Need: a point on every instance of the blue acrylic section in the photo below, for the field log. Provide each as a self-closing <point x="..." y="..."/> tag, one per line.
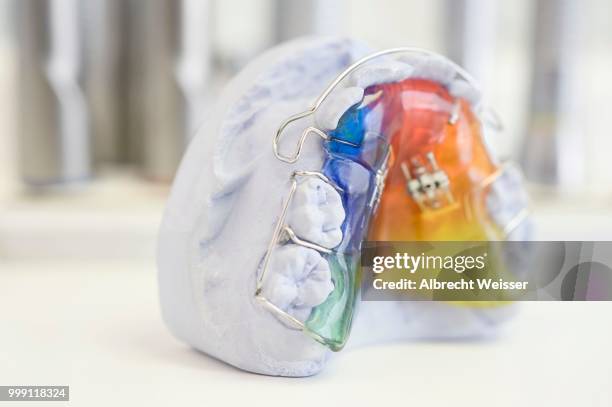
<point x="356" y="182"/>
<point x="355" y="153"/>
<point x="350" y="130"/>
<point x="353" y="167"/>
<point x="362" y="127"/>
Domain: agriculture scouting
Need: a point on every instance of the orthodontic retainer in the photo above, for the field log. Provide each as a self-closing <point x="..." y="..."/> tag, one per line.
<point x="357" y="165"/>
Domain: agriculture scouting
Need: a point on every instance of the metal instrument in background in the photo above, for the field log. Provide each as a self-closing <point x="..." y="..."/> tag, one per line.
<point x="295" y="18"/>
<point x="470" y="37"/>
<point x="104" y="26"/>
<point x="470" y="34"/>
<point x="54" y="134"/>
<point x="173" y="90"/>
<point x="553" y="150"/>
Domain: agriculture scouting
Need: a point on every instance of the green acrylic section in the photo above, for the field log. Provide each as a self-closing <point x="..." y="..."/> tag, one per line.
<point x="330" y="322"/>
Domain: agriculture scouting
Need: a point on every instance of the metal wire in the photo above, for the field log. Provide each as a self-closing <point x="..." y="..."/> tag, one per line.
<point x="282" y="227"/>
<point x="329" y="89"/>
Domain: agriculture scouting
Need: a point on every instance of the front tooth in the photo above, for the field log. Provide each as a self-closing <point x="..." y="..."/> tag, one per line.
<point x="462" y="89"/>
<point x="316" y="213"/>
<point x="434" y="68"/>
<point x="298" y="280"/>
<point x="375" y="74"/>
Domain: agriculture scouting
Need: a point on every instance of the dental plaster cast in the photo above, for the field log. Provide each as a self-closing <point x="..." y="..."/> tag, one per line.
<point x="227" y="198"/>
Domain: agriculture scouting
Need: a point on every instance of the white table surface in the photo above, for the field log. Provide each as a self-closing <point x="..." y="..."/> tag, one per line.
<point x="97" y="328"/>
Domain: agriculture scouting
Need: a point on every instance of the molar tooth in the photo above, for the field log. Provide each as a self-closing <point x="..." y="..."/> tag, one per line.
<point x="337" y="103"/>
<point x="506" y="200"/>
<point x="316" y="213"/>
<point x="298" y="280"/>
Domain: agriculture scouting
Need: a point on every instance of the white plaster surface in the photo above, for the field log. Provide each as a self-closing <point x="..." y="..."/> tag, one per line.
<point x="96" y="327"/>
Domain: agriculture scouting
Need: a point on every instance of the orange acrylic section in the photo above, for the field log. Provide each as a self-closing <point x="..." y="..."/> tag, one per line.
<point x="420" y="122"/>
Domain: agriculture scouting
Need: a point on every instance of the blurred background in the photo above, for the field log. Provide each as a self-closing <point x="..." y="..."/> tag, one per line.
<point x="99" y="99"/>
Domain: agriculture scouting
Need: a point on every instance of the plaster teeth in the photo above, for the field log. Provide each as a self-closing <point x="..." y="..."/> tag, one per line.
<point x="299" y="279"/>
<point x="316" y="213"/>
<point x="336" y="104"/>
<point x="504" y="206"/>
<point x="461" y="89"/>
<point x="374" y="74"/>
<point x="431" y="67"/>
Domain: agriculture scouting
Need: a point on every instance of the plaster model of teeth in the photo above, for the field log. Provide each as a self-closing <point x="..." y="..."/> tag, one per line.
<point x="259" y="248"/>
